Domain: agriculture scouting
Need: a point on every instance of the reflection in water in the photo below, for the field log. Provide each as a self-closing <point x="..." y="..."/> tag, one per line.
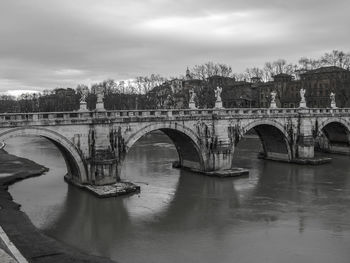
<point x="280" y="213"/>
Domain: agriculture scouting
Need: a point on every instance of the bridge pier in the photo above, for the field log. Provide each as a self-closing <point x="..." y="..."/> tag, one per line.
<point x="104" y="155"/>
<point x="103" y="172"/>
<point x="218" y="161"/>
<point x="305" y="141"/>
<point x="305" y="147"/>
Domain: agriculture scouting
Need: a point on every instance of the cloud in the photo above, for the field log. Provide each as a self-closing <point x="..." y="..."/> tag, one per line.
<point x="48" y="44"/>
<point x="69" y="72"/>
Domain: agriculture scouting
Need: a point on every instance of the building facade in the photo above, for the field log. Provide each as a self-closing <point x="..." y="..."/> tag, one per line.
<point x="319" y="83"/>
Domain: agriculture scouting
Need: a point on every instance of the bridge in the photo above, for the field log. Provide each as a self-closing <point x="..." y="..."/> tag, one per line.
<point x="95" y="143"/>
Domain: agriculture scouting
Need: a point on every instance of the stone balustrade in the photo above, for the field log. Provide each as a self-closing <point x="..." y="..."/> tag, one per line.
<point x="75" y="116"/>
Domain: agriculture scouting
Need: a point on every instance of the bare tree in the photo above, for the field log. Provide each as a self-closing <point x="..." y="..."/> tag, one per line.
<point x="145" y="84"/>
<point x="254" y="73"/>
<point x="209" y="69"/>
<point x="336" y="58"/>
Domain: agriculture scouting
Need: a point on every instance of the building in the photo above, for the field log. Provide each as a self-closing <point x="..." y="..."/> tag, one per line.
<point x="287" y="90"/>
<point x="319" y="83"/>
<point x="240" y="94"/>
<point x="216" y="80"/>
<point x="264" y="94"/>
<point x="175" y="85"/>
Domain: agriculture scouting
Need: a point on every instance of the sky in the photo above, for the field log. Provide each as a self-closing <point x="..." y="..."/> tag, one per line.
<point x="45" y="44"/>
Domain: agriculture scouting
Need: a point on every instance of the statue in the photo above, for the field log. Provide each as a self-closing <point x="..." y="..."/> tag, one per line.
<point x="302" y="94"/>
<point x="332" y="97"/>
<point x="84" y="94"/>
<point x="218" y="94"/>
<point x="100" y="94"/>
<point x="218" y="102"/>
<point x="192" y="96"/>
<point x="191" y="103"/>
<point x="273" y="96"/>
<point x="273" y="100"/>
<point x="302" y="103"/>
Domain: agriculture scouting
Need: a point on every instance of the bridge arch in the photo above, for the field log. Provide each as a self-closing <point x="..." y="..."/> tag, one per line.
<point x="337" y="132"/>
<point x="273" y="137"/>
<point x="185" y="140"/>
<point x="339" y="121"/>
<point x="75" y="162"/>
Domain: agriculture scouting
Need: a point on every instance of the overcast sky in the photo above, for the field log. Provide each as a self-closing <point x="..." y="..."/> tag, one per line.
<point x="46" y="44"/>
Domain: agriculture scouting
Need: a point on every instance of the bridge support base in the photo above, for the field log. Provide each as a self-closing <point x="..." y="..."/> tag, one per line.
<point x="233" y="172"/>
<point x="343" y="150"/>
<point x="104" y="172"/>
<point x="305" y="147"/>
<point x="104" y="191"/>
<point x="307" y="161"/>
<point x="333" y="149"/>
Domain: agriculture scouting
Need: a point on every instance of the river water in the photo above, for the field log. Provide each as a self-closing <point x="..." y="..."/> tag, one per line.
<point x="279" y="213"/>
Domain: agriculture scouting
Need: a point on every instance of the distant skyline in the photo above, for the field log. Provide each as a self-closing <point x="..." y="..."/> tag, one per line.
<point x="49" y="44"/>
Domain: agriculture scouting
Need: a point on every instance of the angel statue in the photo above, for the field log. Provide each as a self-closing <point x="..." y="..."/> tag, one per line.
<point x="302" y="94"/>
<point x="273" y="96"/>
<point x="100" y="94"/>
<point x="84" y="94"/>
<point x="332" y="97"/>
<point x="218" y="93"/>
<point x="192" y="96"/>
<point x="273" y="104"/>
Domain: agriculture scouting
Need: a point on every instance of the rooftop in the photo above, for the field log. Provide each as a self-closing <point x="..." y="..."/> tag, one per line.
<point x="329" y="69"/>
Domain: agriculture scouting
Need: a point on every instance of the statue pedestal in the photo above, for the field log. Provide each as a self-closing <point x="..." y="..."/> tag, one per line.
<point x="273" y="105"/>
<point x="218" y="104"/>
<point x="302" y="104"/>
<point x="333" y="105"/>
<point x="83" y="106"/>
<point x="192" y="105"/>
<point x="100" y="106"/>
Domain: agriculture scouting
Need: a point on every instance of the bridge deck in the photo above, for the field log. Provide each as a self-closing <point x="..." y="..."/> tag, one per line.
<point x="163" y="114"/>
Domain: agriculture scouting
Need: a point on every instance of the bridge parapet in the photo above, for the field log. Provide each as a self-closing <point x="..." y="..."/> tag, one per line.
<point x="80" y="116"/>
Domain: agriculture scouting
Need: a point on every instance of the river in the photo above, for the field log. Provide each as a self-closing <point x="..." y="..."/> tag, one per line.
<point x="279" y="213"/>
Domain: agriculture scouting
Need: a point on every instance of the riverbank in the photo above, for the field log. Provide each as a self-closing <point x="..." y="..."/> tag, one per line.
<point x="34" y="245"/>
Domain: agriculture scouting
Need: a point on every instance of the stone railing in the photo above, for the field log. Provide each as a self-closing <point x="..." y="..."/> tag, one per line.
<point x="165" y="113"/>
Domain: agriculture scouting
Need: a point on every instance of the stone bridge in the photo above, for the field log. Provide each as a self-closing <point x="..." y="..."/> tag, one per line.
<point x="94" y="144"/>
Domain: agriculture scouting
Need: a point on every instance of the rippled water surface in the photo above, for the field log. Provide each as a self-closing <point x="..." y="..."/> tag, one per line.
<point x="280" y="213"/>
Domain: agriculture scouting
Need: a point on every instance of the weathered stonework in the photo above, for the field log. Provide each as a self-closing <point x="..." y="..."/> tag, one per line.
<point x="95" y="143"/>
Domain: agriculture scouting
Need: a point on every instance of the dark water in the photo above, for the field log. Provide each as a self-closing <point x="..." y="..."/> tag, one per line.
<point x="280" y="213"/>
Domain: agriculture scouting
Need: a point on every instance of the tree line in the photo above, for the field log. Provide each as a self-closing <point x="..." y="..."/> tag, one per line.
<point x="334" y="58"/>
<point x="150" y="92"/>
